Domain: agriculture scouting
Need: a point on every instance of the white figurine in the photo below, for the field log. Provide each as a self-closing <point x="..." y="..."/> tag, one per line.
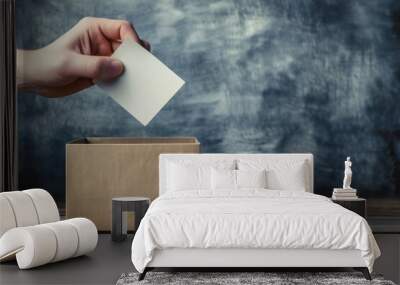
<point x="347" y="174"/>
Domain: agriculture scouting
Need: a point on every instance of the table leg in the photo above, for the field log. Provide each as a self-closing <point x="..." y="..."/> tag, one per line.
<point x="140" y="211"/>
<point x="124" y="223"/>
<point x="117" y="219"/>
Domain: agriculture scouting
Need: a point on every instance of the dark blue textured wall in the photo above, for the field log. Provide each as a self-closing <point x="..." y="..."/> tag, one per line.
<point x="262" y="76"/>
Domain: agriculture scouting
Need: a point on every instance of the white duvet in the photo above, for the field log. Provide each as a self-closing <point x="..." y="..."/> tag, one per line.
<point x="250" y="219"/>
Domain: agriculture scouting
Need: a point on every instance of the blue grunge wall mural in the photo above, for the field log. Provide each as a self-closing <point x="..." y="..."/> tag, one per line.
<point x="261" y="76"/>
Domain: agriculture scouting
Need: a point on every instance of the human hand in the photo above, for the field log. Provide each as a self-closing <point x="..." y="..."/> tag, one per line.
<point x="77" y="59"/>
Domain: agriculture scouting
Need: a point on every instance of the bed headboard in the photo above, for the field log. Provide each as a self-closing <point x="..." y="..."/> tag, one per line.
<point x="165" y="158"/>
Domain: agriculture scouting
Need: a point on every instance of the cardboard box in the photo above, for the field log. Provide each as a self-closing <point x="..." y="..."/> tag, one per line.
<point x="98" y="169"/>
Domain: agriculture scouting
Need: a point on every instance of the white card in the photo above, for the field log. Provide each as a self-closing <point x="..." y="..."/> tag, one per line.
<point x="146" y="84"/>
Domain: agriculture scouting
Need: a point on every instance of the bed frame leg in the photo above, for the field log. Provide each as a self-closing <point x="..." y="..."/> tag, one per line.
<point x="364" y="271"/>
<point x="143" y="274"/>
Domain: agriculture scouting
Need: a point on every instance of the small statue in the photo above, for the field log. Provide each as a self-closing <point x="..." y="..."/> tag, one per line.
<point x="347" y="174"/>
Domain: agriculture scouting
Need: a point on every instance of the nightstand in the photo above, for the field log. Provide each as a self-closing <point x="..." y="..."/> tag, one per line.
<point x="357" y="205"/>
<point x="120" y="207"/>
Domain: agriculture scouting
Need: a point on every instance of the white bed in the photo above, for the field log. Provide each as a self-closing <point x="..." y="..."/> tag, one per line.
<point x="250" y="227"/>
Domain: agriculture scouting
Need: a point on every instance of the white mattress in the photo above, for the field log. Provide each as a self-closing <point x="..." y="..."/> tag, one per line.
<point x="259" y="219"/>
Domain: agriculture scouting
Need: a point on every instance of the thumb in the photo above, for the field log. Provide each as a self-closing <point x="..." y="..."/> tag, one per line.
<point x="97" y="68"/>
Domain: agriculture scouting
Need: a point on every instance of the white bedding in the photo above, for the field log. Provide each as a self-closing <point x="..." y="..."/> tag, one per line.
<point x="250" y="218"/>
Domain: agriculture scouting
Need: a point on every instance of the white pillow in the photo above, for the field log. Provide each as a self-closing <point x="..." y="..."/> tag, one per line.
<point x="186" y="174"/>
<point x="223" y="179"/>
<point x="188" y="177"/>
<point x="227" y="179"/>
<point x="281" y="174"/>
<point x="251" y="178"/>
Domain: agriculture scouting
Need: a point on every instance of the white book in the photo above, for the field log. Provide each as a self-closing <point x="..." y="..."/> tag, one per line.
<point x="345" y="194"/>
<point x="343" y="198"/>
<point x="341" y="190"/>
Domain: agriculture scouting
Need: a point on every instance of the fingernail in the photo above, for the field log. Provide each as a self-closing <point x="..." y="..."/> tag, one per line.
<point x="112" y="69"/>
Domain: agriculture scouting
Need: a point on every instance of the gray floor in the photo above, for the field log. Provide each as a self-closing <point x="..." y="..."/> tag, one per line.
<point x="103" y="266"/>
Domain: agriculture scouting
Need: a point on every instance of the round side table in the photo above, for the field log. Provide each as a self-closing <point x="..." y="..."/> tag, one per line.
<point x="120" y="207"/>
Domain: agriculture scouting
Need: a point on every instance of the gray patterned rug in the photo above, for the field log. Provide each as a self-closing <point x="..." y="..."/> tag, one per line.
<point x="269" y="278"/>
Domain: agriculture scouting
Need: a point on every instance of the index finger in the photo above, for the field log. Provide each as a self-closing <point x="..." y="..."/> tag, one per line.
<point x="117" y="30"/>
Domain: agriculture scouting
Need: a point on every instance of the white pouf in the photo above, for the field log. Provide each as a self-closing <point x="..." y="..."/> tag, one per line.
<point x="23" y="208"/>
<point x="66" y="237"/>
<point x="46" y="208"/>
<point x="87" y="233"/>
<point x="7" y="220"/>
<point x="31" y="232"/>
